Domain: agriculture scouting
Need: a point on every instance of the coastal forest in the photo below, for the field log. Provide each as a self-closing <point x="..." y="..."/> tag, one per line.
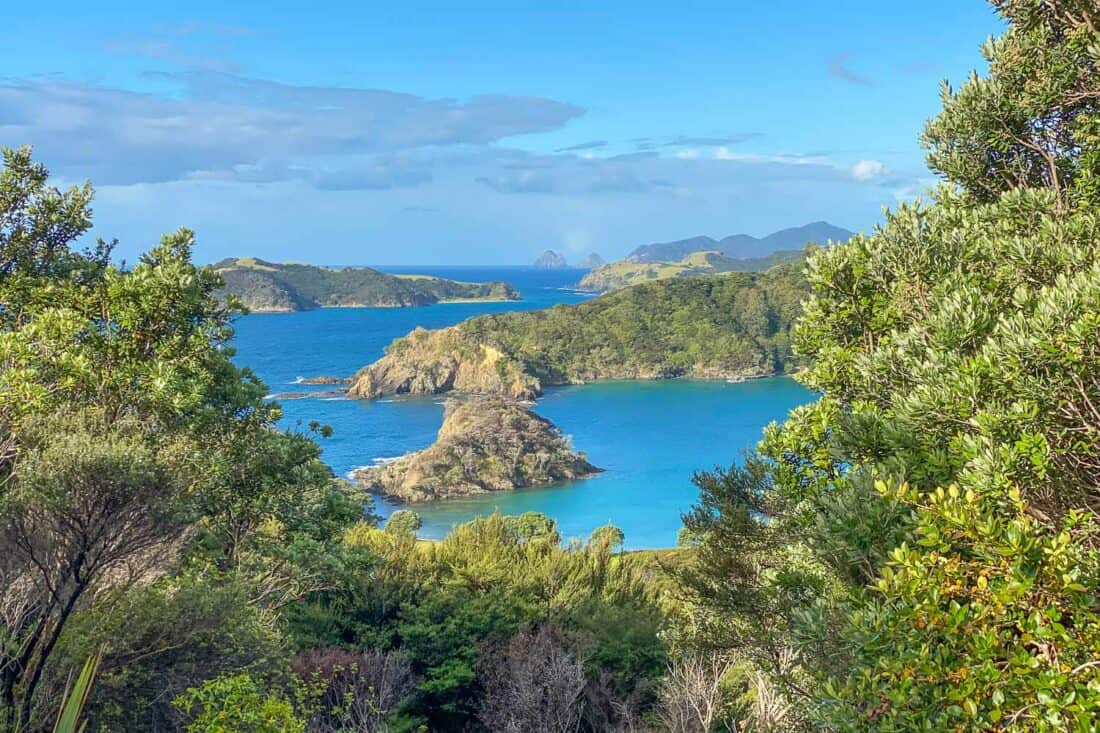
<point x="732" y="326"/>
<point x="915" y="550"/>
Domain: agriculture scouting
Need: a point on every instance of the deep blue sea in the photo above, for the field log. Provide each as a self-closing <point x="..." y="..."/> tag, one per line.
<point x="650" y="436"/>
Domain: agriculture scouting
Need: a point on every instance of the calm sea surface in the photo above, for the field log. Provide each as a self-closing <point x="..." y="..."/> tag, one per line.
<point x="650" y="436"/>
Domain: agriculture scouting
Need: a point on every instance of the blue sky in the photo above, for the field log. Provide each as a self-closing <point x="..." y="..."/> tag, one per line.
<point x="478" y="133"/>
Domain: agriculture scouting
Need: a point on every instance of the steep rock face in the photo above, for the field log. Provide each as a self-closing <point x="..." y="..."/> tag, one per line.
<point x="431" y="362"/>
<point x="591" y="262"/>
<point x="550" y="260"/>
<point x="484" y="445"/>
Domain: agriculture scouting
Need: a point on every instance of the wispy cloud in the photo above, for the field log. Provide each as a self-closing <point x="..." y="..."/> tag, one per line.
<point x="838" y="67"/>
<point x="733" y="139"/>
<point x="592" y="145"/>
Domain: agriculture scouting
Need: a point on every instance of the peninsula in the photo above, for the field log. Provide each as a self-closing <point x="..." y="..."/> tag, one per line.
<point x="625" y="273"/>
<point x="268" y="287"/>
<point x="735" y="325"/>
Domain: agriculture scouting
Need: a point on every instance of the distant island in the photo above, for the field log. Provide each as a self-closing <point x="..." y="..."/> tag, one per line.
<point x="551" y="260"/>
<point x="730" y="326"/>
<point x="268" y="287"/>
<point x="591" y="262"/>
<point x="700" y="256"/>
<point x="483" y="445"/>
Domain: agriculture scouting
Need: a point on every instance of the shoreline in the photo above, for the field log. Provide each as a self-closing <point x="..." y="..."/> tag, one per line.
<point x="351" y="306"/>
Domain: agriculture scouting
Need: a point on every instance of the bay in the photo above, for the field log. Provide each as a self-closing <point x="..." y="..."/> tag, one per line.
<point x="650" y="436"/>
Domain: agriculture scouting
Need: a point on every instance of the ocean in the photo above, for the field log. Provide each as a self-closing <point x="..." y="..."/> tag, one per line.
<point x="651" y="437"/>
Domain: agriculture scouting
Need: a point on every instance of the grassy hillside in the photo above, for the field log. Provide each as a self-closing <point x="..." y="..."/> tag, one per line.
<point x="270" y="287"/>
<point x="625" y="273"/>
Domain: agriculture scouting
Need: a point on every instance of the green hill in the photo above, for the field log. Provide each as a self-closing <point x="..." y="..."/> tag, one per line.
<point x="276" y="288"/>
<point x="625" y="273"/>
<point x="727" y="326"/>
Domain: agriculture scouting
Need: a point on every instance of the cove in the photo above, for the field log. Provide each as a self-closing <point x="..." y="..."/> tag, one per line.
<point x="650" y="436"/>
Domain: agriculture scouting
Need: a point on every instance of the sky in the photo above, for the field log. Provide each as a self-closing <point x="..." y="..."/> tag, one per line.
<point x="479" y="132"/>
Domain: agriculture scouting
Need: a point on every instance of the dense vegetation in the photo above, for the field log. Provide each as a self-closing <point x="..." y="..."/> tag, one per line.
<point x="625" y="273"/>
<point x="919" y="548"/>
<point x="267" y="286"/>
<point x="726" y="326"/>
<point x="154" y="521"/>
<point x="916" y="550"/>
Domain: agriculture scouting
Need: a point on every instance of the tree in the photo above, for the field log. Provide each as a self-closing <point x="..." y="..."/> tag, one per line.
<point x="533" y="683"/>
<point x="353" y="691"/>
<point x="1034" y="121"/>
<point x="94" y="504"/>
<point x="955" y="352"/>
<point x="403" y="521"/>
<point x="691" y="693"/>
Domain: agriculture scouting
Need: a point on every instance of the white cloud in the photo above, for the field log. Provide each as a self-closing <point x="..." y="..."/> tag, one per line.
<point x="226" y="126"/>
<point x="870" y="170"/>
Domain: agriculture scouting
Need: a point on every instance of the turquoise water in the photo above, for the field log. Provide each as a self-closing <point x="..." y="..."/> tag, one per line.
<point x="650" y="436"/>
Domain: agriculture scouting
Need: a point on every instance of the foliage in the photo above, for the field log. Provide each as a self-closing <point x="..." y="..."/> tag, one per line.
<point x="159" y="640"/>
<point x="353" y="691"/>
<point x="488" y="581"/>
<point x="76" y="697"/>
<point x="92" y="505"/>
<point x="138" y="469"/>
<point x="237" y="704"/>
<point x="403" y="521"/>
<point x="988" y="620"/>
<point x="955" y="351"/>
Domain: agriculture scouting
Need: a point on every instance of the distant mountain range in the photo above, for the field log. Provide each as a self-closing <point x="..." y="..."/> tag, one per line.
<point x="699" y="256"/>
<point x="741" y="246"/>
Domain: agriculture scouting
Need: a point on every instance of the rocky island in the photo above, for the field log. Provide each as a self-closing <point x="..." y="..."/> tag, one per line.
<point x="591" y="262"/>
<point x="268" y="287"/>
<point x="551" y="260"/>
<point x="483" y="445"/>
<point x="724" y="327"/>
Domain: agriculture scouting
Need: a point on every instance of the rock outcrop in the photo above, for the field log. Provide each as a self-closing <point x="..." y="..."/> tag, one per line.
<point x="433" y="362"/>
<point x="591" y="262"/>
<point x="484" y="445"/>
<point x="550" y="260"/>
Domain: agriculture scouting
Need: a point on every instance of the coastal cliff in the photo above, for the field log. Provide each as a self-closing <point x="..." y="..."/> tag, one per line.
<point x="724" y="327"/>
<point x="483" y="445"/>
<point x="431" y="362"/>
